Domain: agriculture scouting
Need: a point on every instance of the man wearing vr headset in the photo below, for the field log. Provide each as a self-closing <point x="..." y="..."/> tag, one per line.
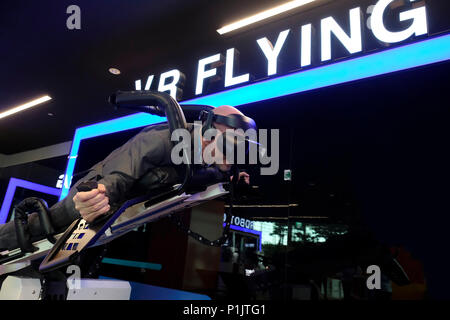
<point x="140" y="165"/>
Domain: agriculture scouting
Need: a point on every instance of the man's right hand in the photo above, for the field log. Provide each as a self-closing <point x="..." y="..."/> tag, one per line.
<point x="92" y="204"/>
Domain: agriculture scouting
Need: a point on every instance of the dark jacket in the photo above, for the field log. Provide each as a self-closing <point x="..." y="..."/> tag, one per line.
<point x="139" y="166"/>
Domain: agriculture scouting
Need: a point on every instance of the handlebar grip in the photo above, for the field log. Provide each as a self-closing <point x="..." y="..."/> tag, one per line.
<point x="87" y="186"/>
<point x="23" y="233"/>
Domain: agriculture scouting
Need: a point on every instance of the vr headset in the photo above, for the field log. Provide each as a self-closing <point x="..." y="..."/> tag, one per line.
<point x="231" y="142"/>
<point x="235" y="121"/>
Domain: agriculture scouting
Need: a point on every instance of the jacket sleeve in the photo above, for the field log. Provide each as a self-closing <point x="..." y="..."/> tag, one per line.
<point x="118" y="172"/>
<point x="127" y="164"/>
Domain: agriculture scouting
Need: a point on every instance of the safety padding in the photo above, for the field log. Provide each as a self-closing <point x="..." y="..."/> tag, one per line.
<point x="95" y="289"/>
<point x="17" y="288"/>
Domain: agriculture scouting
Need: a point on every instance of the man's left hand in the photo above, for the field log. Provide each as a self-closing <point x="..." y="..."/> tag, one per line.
<point x="243" y="176"/>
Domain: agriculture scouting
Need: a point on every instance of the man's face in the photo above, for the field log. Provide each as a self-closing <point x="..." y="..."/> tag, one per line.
<point x="223" y="166"/>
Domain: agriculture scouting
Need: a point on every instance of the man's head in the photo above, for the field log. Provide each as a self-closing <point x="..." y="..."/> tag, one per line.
<point x="221" y="111"/>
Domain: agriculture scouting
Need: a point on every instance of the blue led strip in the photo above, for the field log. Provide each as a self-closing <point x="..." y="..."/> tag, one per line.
<point x="120" y="124"/>
<point x="397" y="59"/>
<point x="15" y="183"/>
<point x="400" y="58"/>
<point x="134" y="264"/>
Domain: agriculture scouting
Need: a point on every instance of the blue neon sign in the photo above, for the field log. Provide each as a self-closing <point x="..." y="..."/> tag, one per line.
<point x="400" y="58"/>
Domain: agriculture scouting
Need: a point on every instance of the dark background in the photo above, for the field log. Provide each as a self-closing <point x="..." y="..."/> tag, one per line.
<point x="40" y="55"/>
<point x="372" y="151"/>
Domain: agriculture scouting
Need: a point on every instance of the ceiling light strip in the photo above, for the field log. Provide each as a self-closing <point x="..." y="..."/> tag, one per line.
<point x="25" y="106"/>
<point x="263" y="15"/>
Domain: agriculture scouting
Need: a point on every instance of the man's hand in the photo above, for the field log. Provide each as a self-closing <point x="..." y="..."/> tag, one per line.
<point x="92" y="204"/>
<point x="243" y="176"/>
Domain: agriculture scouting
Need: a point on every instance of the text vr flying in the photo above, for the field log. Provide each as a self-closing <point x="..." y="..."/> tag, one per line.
<point x="352" y="40"/>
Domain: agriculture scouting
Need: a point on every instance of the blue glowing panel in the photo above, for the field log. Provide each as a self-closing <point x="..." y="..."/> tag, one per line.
<point x="242" y="229"/>
<point x="116" y="125"/>
<point x="134" y="264"/>
<point x="400" y="58"/>
<point x="9" y="196"/>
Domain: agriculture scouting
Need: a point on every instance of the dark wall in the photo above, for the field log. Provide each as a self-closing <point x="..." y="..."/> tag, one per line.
<point x="371" y="152"/>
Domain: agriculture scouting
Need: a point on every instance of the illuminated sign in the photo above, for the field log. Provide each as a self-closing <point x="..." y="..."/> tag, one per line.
<point x="419" y="53"/>
<point x="401" y="58"/>
<point x="352" y="40"/>
<point x="241" y="222"/>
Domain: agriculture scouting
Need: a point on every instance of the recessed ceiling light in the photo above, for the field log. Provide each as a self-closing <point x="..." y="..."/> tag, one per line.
<point x="114" y="70"/>
<point x="24" y="106"/>
<point x="263" y="15"/>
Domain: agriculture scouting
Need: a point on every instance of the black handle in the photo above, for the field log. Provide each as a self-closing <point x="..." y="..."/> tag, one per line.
<point x="158" y="103"/>
<point x="87" y="186"/>
<point x="21" y="222"/>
